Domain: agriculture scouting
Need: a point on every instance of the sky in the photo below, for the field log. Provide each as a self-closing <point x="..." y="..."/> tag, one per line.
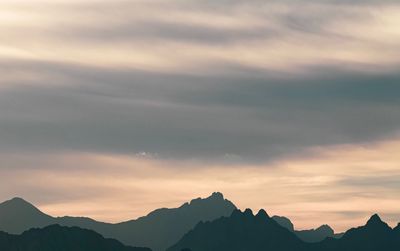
<point x="110" y="109"/>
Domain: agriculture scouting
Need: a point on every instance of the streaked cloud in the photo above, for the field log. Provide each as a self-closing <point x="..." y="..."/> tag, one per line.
<point x="141" y="98"/>
<point x="341" y="186"/>
<point x="247" y="114"/>
<point x="191" y="35"/>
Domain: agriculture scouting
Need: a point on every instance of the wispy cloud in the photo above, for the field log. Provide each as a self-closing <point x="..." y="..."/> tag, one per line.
<point x="242" y="87"/>
<point x="180" y="116"/>
<point x="189" y="35"/>
<point x="338" y="185"/>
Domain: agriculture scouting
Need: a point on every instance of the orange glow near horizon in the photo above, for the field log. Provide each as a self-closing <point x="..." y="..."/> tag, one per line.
<point x="334" y="186"/>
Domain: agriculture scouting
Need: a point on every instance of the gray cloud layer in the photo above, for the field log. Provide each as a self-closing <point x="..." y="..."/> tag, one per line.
<point x="90" y="91"/>
<point x="225" y="79"/>
<point x="252" y="115"/>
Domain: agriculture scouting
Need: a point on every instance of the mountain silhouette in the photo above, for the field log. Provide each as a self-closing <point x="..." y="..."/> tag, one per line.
<point x="17" y="215"/>
<point x="210" y="224"/>
<point x="312" y="235"/>
<point x="246" y="232"/>
<point x="396" y="232"/>
<point x="284" y="222"/>
<point x="316" y="235"/>
<point x="397" y="229"/>
<point x="158" y="230"/>
<point x="57" y="238"/>
<point x="376" y="235"/>
<point x="242" y="231"/>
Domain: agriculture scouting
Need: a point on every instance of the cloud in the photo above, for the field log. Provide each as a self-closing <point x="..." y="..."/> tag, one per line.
<point x="257" y="117"/>
<point x="192" y="36"/>
<point x="389" y="181"/>
<point x="336" y="185"/>
<point x="88" y="87"/>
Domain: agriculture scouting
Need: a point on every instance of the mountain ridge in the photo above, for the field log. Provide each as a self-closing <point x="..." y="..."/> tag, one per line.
<point x="240" y="231"/>
<point x="309" y="235"/>
<point x="375" y="235"/>
<point x="163" y="227"/>
<point x="18" y="215"/>
<point x="244" y="231"/>
<point x="56" y="237"/>
<point x="157" y="230"/>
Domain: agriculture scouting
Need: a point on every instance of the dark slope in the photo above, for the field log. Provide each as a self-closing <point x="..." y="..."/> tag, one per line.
<point x="397" y="229"/>
<point x="245" y="232"/>
<point x="284" y="222"/>
<point x="315" y="235"/>
<point x="396" y="232"/>
<point x="17" y="215"/>
<point x="312" y="235"/>
<point x="57" y="238"/>
<point x="158" y="230"/>
<point x="240" y="232"/>
<point x="376" y="235"/>
<point x="164" y="227"/>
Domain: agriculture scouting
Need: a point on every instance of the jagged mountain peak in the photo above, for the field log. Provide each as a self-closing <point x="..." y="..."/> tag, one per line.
<point x="262" y="214"/>
<point x="374" y="219"/>
<point x="217" y="195"/>
<point x="215" y="200"/>
<point x="248" y="212"/>
<point x="240" y="231"/>
<point x="214" y="197"/>
<point x="159" y="229"/>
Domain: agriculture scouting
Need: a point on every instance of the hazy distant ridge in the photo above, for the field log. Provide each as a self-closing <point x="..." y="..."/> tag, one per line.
<point x="158" y="230"/>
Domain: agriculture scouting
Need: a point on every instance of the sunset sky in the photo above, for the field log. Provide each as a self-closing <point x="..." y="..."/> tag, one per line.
<point x="110" y="109"/>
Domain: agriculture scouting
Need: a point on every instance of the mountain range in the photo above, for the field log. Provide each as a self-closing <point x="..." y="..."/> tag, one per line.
<point x="212" y="223"/>
<point x="158" y="230"/>
<point x="59" y="238"/>
<point x="311" y="235"/>
<point x="240" y="232"/>
<point x="376" y="235"/>
<point x="243" y="231"/>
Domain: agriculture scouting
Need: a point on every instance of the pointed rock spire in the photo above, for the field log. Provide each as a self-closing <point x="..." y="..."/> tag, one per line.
<point x="262" y="214"/>
<point x="248" y="212"/>
<point x="374" y="220"/>
<point x="217" y="195"/>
